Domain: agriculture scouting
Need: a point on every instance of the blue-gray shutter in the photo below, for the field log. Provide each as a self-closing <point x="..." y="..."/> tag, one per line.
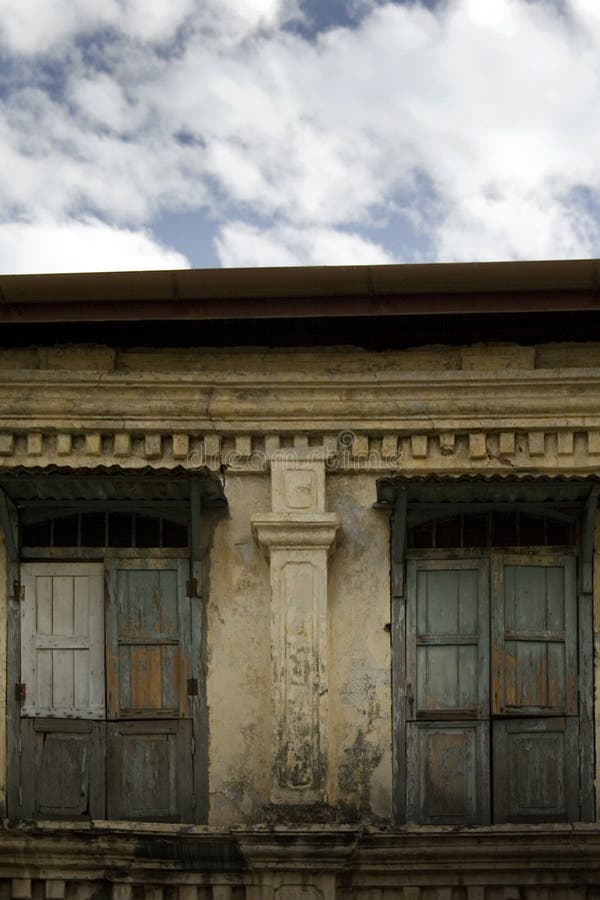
<point x="148" y="664"/>
<point x="534" y="688"/>
<point x="447" y="692"/>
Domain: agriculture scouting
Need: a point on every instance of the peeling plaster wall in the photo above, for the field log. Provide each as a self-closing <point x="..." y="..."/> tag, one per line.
<point x="239" y="653"/>
<point x="360" y="738"/>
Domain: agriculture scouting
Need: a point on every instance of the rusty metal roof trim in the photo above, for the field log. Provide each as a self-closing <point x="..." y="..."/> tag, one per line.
<point x="106" y="484"/>
<point x="477" y="488"/>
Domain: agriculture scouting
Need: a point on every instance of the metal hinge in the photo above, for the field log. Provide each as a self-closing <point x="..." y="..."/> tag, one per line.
<point x="19" y="591"/>
<point x="191" y="588"/>
<point x="20" y="692"/>
<point x="193" y="747"/>
<point x="193" y="800"/>
<point x="192" y="687"/>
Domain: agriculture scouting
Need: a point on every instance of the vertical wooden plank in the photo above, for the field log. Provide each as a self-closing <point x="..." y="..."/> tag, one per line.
<point x="586" y="707"/>
<point x="42" y="587"/>
<point x="62" y="605"/>
<point x="399" y="694"/>
<point x="198" y="656"/>
<point x="13" y="668"/>
<point x="63" y="679"/>
<point x="398" y="544"/>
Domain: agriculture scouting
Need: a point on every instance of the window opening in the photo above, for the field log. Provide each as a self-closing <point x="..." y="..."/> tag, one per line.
<point x="105" y="529"/>
<point x="493" y="528"/>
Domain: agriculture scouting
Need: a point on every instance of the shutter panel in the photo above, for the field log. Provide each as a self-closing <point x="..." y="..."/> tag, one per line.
<point x="65" y="762"/>
<point x="536" y="771"/>
<point x="62" y="665"/>
<point x="534" y="684"/>
<point x="148" y="637"/>
<point x="150" y="770"/>
<point x="447" y="692"/>
<point x="62" y="640"/>
<point x="534" y="635"/>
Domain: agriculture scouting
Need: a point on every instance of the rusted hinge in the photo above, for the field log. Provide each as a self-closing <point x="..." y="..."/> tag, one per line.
<point x="192" y="687"/>
<point x="20" y="692"/>
<point x="19" y="591"/>
<point x="191" y="588"/>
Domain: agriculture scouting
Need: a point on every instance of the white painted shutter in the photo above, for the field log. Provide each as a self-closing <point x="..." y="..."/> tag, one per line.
<point x="62" y="640"/>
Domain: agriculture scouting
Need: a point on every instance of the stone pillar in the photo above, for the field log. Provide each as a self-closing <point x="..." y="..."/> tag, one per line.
<point x="297" y="536"/>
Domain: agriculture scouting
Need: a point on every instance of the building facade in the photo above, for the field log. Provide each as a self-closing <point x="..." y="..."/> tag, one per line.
<point x="299" y="593"/>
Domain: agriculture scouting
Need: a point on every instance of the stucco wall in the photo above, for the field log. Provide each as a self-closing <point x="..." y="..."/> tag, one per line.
<point x="360" y="740"/>
<point x="238" y="657"/>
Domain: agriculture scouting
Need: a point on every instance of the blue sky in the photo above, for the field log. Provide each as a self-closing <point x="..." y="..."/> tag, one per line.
<point x="140" y="134"/>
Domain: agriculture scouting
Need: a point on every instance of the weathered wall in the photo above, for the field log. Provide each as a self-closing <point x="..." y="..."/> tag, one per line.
<point x="360" y="740"/>
<point x="482" y="409"/>
<point x="238" y="658"/>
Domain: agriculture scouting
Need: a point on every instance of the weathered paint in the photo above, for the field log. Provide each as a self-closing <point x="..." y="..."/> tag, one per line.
<point x="479" y="410"/>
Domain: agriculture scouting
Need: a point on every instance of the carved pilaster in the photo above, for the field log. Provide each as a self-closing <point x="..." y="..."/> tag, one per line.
<point x="298" y="536"/>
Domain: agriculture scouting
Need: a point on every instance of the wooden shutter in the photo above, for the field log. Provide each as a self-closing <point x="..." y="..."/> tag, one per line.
<point x="534" y="635"/>
<point x="62" y="640"/>
<point x="62" y="659"/>
<point x="148" y="664"/>
<point x="534" y="687"/>
<point x="64" y="768"/>
<point x="447" y="698"/>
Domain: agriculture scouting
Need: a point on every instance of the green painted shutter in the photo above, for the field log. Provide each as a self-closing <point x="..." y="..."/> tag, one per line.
<point x="148" y="664"/>
<point x="534" y="688"/>
<point x="447" y="692"/>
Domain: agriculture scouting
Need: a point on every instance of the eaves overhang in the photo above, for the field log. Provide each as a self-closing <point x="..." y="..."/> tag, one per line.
<point x="303" y="292"/>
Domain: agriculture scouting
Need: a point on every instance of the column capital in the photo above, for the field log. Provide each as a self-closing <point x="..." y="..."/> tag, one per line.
<point x="296" y="531"/>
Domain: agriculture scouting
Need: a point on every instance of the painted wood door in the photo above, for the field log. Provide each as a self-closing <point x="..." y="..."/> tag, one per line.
<point x="447" y="665"/>
<point x="62" y="673"/>
<point x="148" y="673"/>
<point x="492" y="690"/>
<point x="534" y="688"/>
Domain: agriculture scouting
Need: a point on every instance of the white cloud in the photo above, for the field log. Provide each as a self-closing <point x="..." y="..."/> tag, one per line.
<point x="475" y="119"/>
<point x="241" y="244"/>
<point x="85" y="246"/>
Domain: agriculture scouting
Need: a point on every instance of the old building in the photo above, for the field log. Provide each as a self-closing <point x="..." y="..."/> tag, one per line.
<point x="298" y="597"/>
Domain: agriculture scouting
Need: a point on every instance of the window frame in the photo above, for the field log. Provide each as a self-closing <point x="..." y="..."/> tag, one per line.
<point x="161" y="491"/>
<point x="413" y="498"/>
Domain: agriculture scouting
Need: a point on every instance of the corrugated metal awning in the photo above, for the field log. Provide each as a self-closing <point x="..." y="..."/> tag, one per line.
<point x="110" y="484"/>
<point x="466" y="488"/>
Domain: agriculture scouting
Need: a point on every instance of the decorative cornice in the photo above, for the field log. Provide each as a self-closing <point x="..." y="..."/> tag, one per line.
<point x="567" y="450"/>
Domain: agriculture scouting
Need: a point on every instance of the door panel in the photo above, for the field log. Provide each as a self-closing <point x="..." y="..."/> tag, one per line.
<point x="64" y="762"/>
<point x="150" y="770"/>
<point x="448" y="773"/>
<point x="534" y="635"/>
<point x="536" y="778"/>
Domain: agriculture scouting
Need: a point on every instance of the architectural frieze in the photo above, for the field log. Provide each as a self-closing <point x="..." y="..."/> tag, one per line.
<point x="568" y="450"/>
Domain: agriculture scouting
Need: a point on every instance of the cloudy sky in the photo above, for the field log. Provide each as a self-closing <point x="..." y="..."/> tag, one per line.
<point x="139" y="134"/>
